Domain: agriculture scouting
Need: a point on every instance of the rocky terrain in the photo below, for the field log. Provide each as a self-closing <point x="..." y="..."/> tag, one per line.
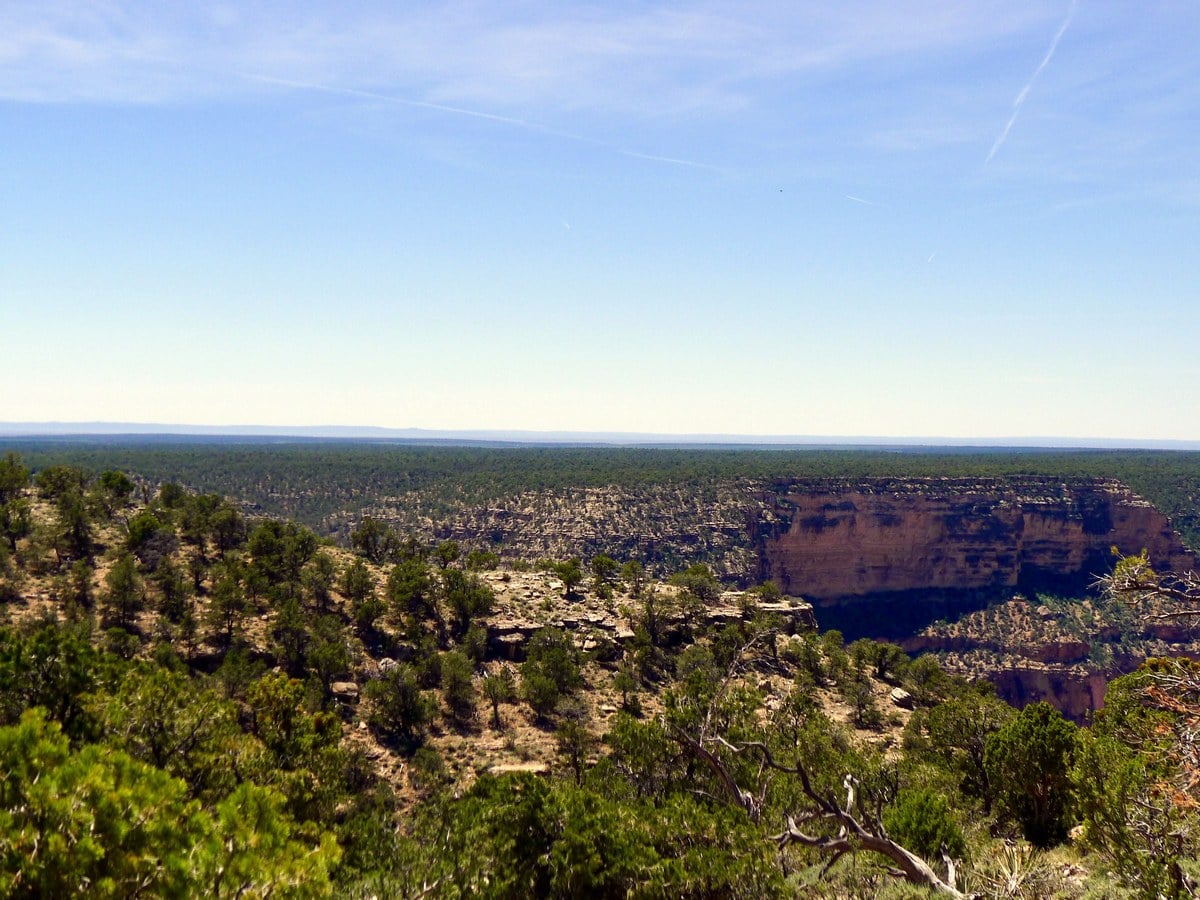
<point x="375" y="691"/>
<point x="941" y="565"/>
<point x="880" y="557"/>
<point x="1062" y="650"/>
<point x="885" y="557"/>
<point x="602" y="625"/>
<point x="946" y="566"/>
<point x="885" y="541"/>
<point x="665" y="526"/>
<point x="527" y="602"/>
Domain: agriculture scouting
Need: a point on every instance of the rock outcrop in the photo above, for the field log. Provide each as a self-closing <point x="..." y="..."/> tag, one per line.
<point x="1064" y="651"/>
<point x="528" y="602"/>
<point x="883" y="557"/>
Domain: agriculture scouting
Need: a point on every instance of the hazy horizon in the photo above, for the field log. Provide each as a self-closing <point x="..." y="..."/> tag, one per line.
<point x="34" y="430"/>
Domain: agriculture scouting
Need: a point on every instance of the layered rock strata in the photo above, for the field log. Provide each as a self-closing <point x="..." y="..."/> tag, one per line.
<point x="1064" y="652"/>
<point x="883" y="557"/>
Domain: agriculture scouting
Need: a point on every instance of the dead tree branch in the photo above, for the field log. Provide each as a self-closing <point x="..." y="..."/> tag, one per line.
<point x="1135" y="581"/>
<point x="852" y="834"/>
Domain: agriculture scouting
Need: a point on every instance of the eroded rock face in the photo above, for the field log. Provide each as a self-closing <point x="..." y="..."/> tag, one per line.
<point x="908" y="552"/>
<point x="1076" y="694"/>
<point x="1063" y="652"/>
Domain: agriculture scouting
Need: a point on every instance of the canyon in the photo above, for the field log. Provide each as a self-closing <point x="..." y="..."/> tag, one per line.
<point x="957" y="566"/>
<point x="885" y="557"/>
<point x="948" y="566"/>
<point x="954" y="566"/>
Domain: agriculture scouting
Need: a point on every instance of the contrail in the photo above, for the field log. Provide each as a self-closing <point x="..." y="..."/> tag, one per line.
<point x="477" y="114"/>
<point x="859" y="200"/>
<point x="662" y="159"/>
<point x="1020" y="101"/>
<point x="354" y="92"/>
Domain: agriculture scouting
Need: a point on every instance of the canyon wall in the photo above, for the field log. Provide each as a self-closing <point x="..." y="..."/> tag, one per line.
<point x="1075" y="693"/>
<point x="882" y="557"/>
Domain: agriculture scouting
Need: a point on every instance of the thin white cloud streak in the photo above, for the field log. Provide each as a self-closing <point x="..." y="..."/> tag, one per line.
<point x="671" y="160"/>
<point x="476" y="114"/>
<point x="647" y="61"/>
<point x="712" y="67"/>
<point x="388" y="98"/>
<point x="1024" y="92"/>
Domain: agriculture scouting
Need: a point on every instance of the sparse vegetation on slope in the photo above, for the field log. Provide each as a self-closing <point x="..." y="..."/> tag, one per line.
<point x="415" y="720"/>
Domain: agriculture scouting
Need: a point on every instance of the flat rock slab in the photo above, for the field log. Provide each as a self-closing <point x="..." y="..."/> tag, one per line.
<point x="536" y="768"/>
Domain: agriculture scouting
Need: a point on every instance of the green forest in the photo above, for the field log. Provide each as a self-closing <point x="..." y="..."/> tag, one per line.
<point x="312" y="480"/>
<point x="199" y="702"/>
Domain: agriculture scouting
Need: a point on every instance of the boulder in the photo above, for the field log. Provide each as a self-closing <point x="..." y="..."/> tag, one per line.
<point x="344" y="690"/>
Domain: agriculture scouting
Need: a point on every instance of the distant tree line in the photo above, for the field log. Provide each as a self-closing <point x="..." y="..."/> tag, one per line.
<point x="314" y="480"/>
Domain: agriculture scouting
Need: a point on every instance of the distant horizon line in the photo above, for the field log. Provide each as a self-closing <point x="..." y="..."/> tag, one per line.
<point x="563" y="436"/>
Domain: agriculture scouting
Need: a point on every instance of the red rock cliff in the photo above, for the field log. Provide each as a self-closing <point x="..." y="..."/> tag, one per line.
<point x="834" y="543"/>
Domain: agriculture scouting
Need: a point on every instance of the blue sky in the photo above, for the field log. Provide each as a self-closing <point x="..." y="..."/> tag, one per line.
<point x="908" y="219"/>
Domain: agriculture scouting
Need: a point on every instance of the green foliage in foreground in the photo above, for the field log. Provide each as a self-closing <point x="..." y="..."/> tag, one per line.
<point x="1028" y="762"/>
<point x="1136" y="779"/>
<point x="524" y="836"/>
<point x="177" y="763"/>
<point x="168" y="788"/>
<point x="99" y="821"/>
<point x="125" y="779"/>
<point x="921" y="820"/>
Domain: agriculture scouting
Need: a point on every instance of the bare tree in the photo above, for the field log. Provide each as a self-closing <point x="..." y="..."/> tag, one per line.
<point x="1134" y="581"/>
<point x="855" y="827"/>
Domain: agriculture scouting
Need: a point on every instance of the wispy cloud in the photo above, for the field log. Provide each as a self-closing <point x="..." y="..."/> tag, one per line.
<point x="477" y="114"/>
<point x="817" y="88"/>
<point x="647" y="60"/>
<point x="1024" y="92"/>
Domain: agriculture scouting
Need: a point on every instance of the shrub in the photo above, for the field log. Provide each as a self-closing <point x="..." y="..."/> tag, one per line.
<point x="921" y="820"/>
<point x="1028" y="763"/>
<point x="458" y="690"/>
<point x="398" y="708"/>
